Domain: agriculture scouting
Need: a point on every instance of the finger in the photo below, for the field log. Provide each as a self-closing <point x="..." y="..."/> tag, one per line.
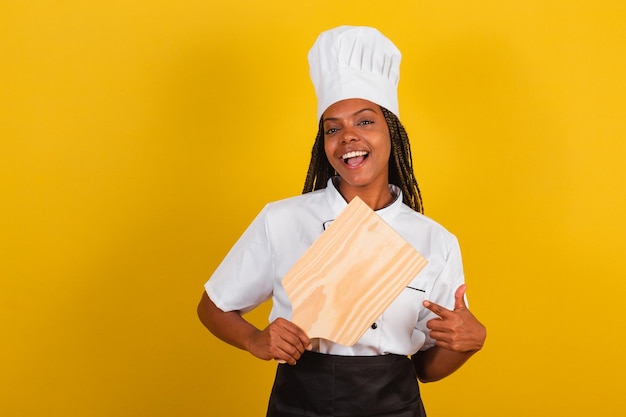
<point x="439" y="337"/>
<point x="459" y="298"/>
<point x="437" y="309"/>
<point x="282" y="349"/>
<point x="288" y="354"/>
<point x="290" y="343"/>
<point x="302" y="337"/>
<point x="437" y="325"/>
<point x="299" y="337"/>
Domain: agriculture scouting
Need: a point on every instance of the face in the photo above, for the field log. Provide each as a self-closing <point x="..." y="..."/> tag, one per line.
<point x="357" y="144"/>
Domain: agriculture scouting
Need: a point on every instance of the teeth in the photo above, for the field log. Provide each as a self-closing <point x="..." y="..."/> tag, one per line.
<point x="353" y="154"/>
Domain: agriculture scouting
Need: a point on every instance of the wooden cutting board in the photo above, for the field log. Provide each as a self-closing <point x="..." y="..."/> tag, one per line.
<point x="350" y="275"/>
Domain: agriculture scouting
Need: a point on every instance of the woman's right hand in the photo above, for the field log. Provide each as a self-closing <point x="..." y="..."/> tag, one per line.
<point x="281" y="340"/>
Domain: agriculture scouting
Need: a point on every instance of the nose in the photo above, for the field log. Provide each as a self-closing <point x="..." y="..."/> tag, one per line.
<point x="349" y="136"/>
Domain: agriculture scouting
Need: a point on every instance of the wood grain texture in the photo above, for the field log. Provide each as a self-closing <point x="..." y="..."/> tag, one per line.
<point x="350" y="275"/>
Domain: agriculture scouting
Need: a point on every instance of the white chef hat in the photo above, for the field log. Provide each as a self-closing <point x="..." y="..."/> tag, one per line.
<point x="355" y="62"/>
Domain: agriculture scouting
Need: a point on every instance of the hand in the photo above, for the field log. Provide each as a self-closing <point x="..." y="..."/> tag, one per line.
<point x="281" y="340"/>
<point x="457" y="330"/>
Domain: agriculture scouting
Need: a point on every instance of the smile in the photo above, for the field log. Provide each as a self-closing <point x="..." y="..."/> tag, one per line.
<point x="354" y="158"/>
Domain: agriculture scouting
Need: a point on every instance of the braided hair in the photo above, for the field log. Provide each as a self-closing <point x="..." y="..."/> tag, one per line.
<point x="400" y="163"/>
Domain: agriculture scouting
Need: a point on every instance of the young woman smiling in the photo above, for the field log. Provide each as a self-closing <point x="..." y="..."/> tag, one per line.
<point x="358" y="147"/>
<point x="361" y="149"/>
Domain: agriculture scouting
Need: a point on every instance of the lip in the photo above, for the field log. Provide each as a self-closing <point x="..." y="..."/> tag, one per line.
<point x="354" y="154"/>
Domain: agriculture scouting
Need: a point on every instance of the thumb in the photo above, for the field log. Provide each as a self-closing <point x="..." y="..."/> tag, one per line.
<point x="459" y="298"/>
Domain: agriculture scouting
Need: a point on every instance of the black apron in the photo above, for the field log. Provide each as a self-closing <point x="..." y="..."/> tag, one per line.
<point x="321" y="385"/>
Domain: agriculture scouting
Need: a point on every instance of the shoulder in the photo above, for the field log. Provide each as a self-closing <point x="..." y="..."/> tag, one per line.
<point x="306" y="207"/>
<point x="299" y="202"/>
<point x="412" y="224"/>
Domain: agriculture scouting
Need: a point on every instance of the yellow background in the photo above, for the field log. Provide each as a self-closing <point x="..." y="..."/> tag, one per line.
<point x="139" y="138"/>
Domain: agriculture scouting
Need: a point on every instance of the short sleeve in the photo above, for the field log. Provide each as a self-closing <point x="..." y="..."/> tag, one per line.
<point x="244" y="279"/>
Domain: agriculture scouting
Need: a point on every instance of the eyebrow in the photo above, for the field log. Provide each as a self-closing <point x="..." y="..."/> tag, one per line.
<point x="326" y="119"/>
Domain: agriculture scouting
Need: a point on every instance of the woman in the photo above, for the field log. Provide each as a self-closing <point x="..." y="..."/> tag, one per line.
<point x="361" y="150"/>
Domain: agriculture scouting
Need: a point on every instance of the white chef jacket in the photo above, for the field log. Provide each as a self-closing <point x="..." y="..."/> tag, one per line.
<point x="252" y="271"/>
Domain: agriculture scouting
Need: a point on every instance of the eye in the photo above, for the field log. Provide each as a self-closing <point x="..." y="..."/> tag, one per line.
<point x="331" y="130"/>
<point x="366" y="122"/>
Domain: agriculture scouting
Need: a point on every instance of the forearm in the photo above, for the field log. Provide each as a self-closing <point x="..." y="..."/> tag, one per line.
<point x="227" y="326"/>
<point x="437" y="363"/>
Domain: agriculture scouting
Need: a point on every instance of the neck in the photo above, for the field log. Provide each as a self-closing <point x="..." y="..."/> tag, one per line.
<point x="376" y="197"/>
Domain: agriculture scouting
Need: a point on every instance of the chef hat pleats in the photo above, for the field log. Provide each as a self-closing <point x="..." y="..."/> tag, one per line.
<point x="355" y="62"/>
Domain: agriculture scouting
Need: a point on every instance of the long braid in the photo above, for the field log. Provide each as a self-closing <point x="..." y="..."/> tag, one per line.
<point x="320" y="170"/>
<point x="400" y="164"/>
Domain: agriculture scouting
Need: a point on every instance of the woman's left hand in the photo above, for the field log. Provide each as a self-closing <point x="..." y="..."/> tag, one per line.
<point x="457" y="330"/>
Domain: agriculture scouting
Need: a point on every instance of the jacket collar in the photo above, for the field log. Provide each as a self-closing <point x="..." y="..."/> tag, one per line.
<point x="338" y="203"/>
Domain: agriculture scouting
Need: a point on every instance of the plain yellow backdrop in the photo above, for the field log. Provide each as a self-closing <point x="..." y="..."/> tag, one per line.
<point x="138" y="140"/>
